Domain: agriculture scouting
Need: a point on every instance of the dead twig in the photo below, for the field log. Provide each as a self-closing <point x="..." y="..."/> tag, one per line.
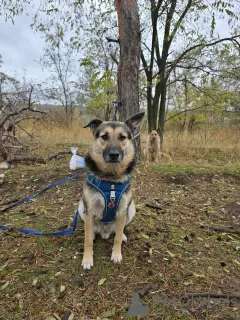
<point x="154" y="206"/>
<point x="55" y="156"/>
<point x="5" y="203"/>
<point x="224" y="229"/>
<point x="26" y="159"/>
<point x="210" y="295"/>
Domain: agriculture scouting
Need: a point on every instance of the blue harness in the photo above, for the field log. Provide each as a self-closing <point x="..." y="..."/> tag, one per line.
<point x="111" y="192"/>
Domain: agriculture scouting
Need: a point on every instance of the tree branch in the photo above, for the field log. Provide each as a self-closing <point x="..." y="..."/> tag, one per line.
<point x="112" y="40"/>
<point x="188" y="6"/>
<point x="113" y="58"/>
<point x="145" y="66"/>
<point x="183" y="111"/>
<point x="199" y="45"/>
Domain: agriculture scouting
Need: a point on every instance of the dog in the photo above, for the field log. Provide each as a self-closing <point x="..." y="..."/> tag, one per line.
<point x="152" y="151"/>
<point x="107" y="204"/>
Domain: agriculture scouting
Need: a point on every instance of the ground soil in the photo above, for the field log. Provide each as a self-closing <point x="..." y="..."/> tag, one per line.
<point x="171" y="248"/>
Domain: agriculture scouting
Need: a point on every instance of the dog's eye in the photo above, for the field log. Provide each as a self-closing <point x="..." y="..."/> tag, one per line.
<point x="105" y="137"/>
<point x="122" y="138"/>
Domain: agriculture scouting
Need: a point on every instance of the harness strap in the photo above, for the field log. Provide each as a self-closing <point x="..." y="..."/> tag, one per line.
<point x="112" y="193"/>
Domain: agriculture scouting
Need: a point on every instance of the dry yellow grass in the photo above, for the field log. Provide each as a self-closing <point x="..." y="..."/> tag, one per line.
<point x="219" y="145"/>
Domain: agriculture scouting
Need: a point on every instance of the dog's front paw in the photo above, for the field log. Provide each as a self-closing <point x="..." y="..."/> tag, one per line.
<point x="87" y="262"/>
<point x="116" y="257"/>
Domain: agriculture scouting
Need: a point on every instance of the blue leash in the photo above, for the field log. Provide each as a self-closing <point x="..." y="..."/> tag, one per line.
<point x="56" y="233"/>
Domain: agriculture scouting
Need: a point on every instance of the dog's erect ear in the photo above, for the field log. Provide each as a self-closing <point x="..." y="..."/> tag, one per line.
<point x="134" y="121"/>
<point x="93" y="125"/>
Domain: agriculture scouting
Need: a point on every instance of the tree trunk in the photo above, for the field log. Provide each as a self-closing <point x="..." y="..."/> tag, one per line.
<point x="156" y="103"/>
<point x="162" y="109"/>
<point x="149" y="107"/>
<point x="128" y="67"/>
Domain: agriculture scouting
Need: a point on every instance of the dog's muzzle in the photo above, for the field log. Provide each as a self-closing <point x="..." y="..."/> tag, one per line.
<point x="113" y="155"/>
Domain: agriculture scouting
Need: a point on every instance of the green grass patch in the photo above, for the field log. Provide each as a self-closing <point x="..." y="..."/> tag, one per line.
<point x="177" y="169"/>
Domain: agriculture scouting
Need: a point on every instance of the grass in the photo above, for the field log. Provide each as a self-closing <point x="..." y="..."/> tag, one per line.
<point x="210" y="145"/>
<point x="172" y="248"/>
<point x="210" y="168"/>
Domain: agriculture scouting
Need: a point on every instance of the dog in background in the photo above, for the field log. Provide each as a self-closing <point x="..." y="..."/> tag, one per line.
<point x="152" y="151"/>
<point x="107" y="205"/>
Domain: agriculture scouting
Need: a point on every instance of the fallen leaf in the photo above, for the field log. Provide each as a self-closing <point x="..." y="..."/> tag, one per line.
<point x="150" y="251"/>
<point x="20" y="304"/>
<point x="145" y="236"/>
<point x="199" y="275"/>
<point x="171" y="254"/>
<point x="4" y="286"/>
<point x="3" y="267"/>
<point x="34" y="282"/>
<point x="101" y="281"/>
<point x="57" y="316"/>
<point x="68" y="315"/>
<point x="62" y="288"/>
<point x="107" y="314"/>
<point x="235" y="261"/>
<point x="113" y="311"/>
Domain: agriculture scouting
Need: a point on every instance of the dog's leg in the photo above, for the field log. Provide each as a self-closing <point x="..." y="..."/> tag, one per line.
<point x="148" y="156"/>
<point x="87" y="261"/>
<point x="158" y="149"/>
<point x="147" y="149"/>
<point x="117" y="252"/>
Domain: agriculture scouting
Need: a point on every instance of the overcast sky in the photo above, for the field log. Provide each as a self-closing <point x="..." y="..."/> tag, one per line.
<point x="21" y="47"/>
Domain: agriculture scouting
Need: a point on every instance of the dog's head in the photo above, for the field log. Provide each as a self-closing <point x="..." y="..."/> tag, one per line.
<point x="153" y="134"/>
<point x="113" y="152"/>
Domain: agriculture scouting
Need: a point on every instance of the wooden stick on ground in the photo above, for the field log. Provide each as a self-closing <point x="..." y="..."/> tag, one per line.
<point x="211" y="295"/>
<point x="225" y="229"/>
<point x="26" y="159"/>
<point x="55" y="156"/>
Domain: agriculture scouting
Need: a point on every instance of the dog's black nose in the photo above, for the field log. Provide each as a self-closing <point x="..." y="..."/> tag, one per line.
<point x="114" y="154"/>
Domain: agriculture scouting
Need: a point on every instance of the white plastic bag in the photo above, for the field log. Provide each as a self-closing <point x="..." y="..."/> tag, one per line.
<point x="4" y="165"/>
<point x="76" y="161"/>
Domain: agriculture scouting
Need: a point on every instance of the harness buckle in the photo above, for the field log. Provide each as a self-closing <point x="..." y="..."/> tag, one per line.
<point x="112" y="196"/>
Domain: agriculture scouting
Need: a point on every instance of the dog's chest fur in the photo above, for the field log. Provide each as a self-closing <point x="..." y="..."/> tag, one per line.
<point x="153" y="145"/>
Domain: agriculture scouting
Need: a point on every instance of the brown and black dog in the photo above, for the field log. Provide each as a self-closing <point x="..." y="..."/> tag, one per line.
<point x="111" y="160"/>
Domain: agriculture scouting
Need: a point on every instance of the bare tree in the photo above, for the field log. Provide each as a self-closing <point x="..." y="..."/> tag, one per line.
<point x="16" y="105"/>
<point x="59" y="88"/>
